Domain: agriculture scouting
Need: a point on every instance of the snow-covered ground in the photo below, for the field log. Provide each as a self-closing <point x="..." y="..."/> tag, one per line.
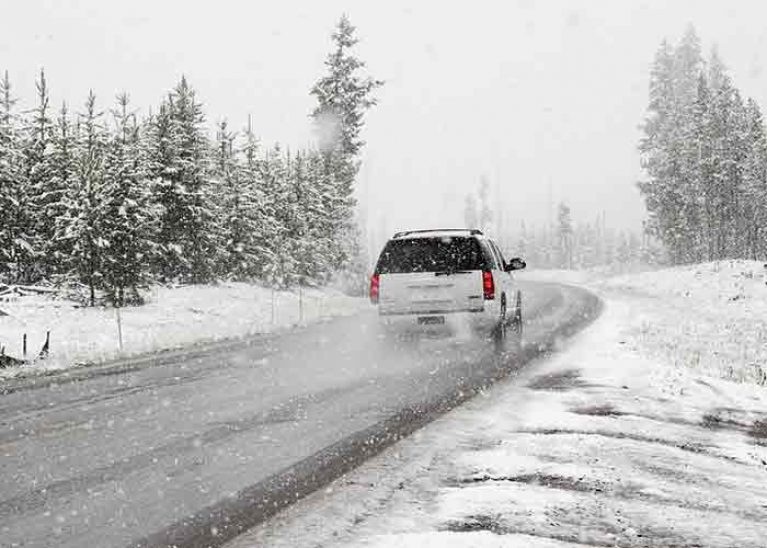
<point x="649" y="429"/>
<point x="710" y="318"/>
<point x="172" y="318"/>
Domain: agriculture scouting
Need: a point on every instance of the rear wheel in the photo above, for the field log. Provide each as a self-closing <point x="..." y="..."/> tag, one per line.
<point x="516" y="320"/>
<point x="501" y="327"/>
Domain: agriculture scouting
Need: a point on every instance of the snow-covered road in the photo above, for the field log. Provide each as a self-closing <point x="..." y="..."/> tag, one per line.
<point x="193" y="447"/>
<point x="607" y="444"/>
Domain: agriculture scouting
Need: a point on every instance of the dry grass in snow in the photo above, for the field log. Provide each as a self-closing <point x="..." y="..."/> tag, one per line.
<point x="711" y="318"/>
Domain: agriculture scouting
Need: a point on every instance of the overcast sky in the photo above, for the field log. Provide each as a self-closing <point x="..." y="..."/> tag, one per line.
<point x="545" y="98"/>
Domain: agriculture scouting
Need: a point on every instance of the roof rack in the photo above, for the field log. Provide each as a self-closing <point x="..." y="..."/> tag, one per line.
<point x="472" y="231"/>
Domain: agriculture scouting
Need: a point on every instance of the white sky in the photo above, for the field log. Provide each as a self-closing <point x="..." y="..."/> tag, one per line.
<point x="536" y="95"/>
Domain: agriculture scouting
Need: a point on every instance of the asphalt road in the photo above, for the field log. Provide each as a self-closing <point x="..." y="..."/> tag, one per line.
<point x="191" y="448"/>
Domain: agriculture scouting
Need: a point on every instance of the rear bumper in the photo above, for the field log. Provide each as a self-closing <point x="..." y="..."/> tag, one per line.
<point x="456" y="321"/>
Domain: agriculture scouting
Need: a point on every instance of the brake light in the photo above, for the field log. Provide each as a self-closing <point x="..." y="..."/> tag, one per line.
<point x="375" y="281"/>
<point x="488" y="286"/>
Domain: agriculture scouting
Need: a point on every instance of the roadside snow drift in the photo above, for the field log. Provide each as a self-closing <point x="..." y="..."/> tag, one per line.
<point x="711" y="318"/>
<point x="173" y="317"/>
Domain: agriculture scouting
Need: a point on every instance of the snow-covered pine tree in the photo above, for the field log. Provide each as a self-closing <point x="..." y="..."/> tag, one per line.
<point x="63" y="179"/>
<point x="723" y="107"/>
<point x="130" y="217"/>
<point x="738" y="151"/>
<point x="655" y="150"/>
<point x="180" y="170"/>
<point x="321" y="226"/>
<point x="672" y="150"/>
<point x="240" y="212"/>
<point x="690" y="222"/>
<point x="755" y="182"/>
<point x="687" y="64"/>
<point x="701" y="145"/>
<point x="343" y="97"/>
<point x="158" y="153"/>
<point x="225" y="176"/>
<point x="263" y="224"/>
<point x="299" y="219"/>
<point x="16" y="237"/>
<point x="281" y="269"/>
<point x="81" y="228"/>
<point x="39" y="163"/>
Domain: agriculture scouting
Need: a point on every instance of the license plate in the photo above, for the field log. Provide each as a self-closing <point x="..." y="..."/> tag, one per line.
<point x="431" y="320"/>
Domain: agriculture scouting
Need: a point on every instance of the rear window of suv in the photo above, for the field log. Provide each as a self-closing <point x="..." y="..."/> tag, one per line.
<point x="441" y="254"/>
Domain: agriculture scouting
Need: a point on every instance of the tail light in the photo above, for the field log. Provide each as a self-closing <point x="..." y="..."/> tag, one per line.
<point x="375" y="281"/>
<point x="488" y="286"/>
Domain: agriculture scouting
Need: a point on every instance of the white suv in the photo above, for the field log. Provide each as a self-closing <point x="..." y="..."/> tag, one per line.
<point x="431" y="274"/>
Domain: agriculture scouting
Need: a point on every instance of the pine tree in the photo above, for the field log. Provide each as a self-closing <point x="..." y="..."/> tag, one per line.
<point x="263" y="225"/>
<point x="226" y="177"/>
<point x="242" y="231"/>
<point x="690" y="219"/>
<point x="130" y="217"/>
<point x="180" y="170"/>
<point x="158" y="153"/>
<point x="755" y="182"/>
<point x="687" y="219"/>
<point x="724" y="107"/>
<point x="63" y="180"/>
<point x="299" y="218"/>
<point x="655" y="145"/>
<point x="322" y="227"/>
<point x="687" y="65"/>
<point x="81" y="227"/>
<point x="343" y="97"/>
<point x="16" y="236"/>
<point x="281" y="269"/>
<point x="738" y="151"/>
<point x="39" y="163"/>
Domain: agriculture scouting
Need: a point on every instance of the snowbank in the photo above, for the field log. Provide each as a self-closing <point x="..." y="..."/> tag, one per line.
<point x="173" y="317"/>
<point x="711" y="318"/>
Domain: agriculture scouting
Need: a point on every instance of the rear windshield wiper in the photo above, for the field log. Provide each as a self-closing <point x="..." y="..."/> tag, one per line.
<point x="451" y="272"/>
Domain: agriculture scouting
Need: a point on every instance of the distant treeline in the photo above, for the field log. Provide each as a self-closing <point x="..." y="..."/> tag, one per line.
<point x="704" y="152"/>
<point x="564" y="242"/>
<point x="113" y="202"/>
<point x="576" y="245"/>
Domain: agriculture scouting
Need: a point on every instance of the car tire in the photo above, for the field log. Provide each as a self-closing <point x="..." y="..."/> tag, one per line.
<point x="516" y="322"/>
<point x="501" y="327"/>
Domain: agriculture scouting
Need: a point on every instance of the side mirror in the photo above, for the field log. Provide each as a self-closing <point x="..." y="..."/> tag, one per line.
<point x="515" y="264"/>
